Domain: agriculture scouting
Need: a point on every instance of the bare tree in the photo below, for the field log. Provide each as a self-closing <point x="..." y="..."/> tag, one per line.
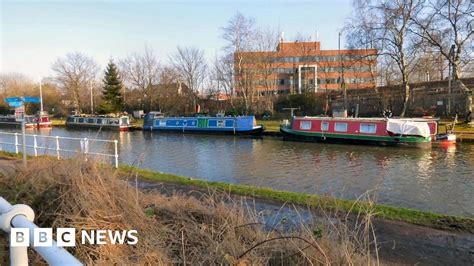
<point x="265" y="42"/>
<point x="388" y="31"/>
<point x="239" y="35"/>
<point x="191" y="65"/>
<point x="74" y="73"/>
<point x="444" y="23"/>
<point x="222" y="74"/>
<point x="141" y="72"/>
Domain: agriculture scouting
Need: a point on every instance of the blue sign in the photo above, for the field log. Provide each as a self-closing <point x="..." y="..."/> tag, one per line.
<point x="18" y="101"/>
<point x="13" y="99"/>
<point x="15" y="104"/>
<point x="31" y="99"/>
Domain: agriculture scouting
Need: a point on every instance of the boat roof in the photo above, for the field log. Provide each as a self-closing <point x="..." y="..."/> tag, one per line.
<point x="416" y="119"/>
<point x="97" y="116"/>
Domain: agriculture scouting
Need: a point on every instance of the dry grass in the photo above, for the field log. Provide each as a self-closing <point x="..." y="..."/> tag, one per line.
<point x="178" y="229"/>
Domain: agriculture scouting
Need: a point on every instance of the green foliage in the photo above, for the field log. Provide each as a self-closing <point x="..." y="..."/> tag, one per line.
<point x="318" y="233"/>
<point x="149" y="212"/>
<point x="309" y="103"/>
<point x="232" y="112"/>
<point x="111" y="92"/>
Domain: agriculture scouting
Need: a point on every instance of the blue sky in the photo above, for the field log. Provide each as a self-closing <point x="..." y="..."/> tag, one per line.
<point x="35" y="33"/>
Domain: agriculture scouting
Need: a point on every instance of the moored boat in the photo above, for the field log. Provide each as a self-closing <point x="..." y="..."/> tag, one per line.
<point x="371" y="131"/>
<point x="9" y="121"/>
<point x="238" y="125"/>
<point x="121" y="123"/>
<point x="40" y="120"/>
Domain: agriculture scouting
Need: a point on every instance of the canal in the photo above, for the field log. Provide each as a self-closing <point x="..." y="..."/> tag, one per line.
<point x="438" y="180"/>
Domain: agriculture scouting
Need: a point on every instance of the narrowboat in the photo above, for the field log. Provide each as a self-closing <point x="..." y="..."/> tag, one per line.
<point x="121" y="123"/>
<point x="239" y="125"/>
<point x="41" y="120"/>
<point x="370" y="131"/>
<point x="9" y="121"/>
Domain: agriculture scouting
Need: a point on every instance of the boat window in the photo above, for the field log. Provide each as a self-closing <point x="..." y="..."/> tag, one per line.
<point x="220" y="123"/>
<point x="340" y="127"/>
<point x="368" y="128"/>
<point x="124" y="120"/>
<point x="90" y="120"/>
<point x="324" y="126"/>
<point x="113" y="121"/>
<point x="70" y="119"/>
<point x="81" y="120"/>
<point x="305" y="125"/>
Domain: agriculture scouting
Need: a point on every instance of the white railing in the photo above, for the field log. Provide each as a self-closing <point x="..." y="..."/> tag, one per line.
<point x="83" y="144"/>
<point x="21" y="216"/>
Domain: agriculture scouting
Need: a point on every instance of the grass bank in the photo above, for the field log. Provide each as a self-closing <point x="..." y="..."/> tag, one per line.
<point x="270" y="125"/>
<point x="438" y="221"/>
<point x="176" y="229"/>
<point x="56" y="122"/>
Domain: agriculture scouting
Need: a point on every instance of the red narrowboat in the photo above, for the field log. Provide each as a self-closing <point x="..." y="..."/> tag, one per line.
<point x="42" y="120"/>
<point x="371" y="131"/>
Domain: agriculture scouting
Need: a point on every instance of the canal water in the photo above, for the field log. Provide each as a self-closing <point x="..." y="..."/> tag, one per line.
<point x="438" y="179"/>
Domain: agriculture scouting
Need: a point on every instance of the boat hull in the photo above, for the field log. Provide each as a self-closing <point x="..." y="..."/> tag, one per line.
<point x="254" y="132"/>
<point x="242" y="125"/>
<point x="98" y="122"/>
<point x="92" y="126"/>
<point x="394" y="141"/>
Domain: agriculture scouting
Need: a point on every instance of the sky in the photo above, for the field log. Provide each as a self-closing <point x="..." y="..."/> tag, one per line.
<point x="33" y="34"/>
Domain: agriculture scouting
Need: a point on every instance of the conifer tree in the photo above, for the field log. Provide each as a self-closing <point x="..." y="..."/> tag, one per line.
<point x="112" y="100"/>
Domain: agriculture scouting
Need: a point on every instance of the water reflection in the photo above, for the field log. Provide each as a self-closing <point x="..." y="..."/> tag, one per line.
<point x="437" y="179"/>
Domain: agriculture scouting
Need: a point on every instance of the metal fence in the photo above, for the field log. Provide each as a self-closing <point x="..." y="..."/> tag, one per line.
<point x="60" y="146"/>
<point x="21" y="216"/>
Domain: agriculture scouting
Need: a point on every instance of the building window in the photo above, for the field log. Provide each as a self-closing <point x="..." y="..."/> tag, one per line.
<point x="282" y="82"/>
<point x="340" y="127"/>
<point x="305" y="125"/>
<point x="324" y="126"/>
<point x="368" y="128"/>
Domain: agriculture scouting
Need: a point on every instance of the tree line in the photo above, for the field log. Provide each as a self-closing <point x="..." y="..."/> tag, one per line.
<point x="416" y="40"/>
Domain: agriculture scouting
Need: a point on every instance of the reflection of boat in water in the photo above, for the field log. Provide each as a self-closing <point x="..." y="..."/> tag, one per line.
<point x="40" y="120"/>
<point x="371" y="131"/>
<point x="121" y="123"/>
<point x="239" y="125"/>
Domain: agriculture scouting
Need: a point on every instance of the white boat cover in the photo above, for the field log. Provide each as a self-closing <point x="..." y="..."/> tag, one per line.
<point x="408" y="127"/>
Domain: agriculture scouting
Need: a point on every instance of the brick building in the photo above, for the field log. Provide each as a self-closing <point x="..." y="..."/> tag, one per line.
<point x="296" y="67"/>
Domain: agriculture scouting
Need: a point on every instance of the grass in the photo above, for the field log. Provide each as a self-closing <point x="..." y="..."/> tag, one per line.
<point x="56" y="122"/>
<point x="176" y="229"/>
<point x="439" y="221"/>
<point x="270" y="125"/>
<point x="137" y="122"/>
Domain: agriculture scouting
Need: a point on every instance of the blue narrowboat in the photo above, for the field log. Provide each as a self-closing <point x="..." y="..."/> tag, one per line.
<point x="239" y="125"/>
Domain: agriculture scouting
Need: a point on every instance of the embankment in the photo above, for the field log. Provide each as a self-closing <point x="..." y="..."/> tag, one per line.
<point x="204" y="217"/>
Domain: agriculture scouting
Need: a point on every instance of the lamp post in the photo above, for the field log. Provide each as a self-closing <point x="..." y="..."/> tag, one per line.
<point x="341" y="78"/>
<point x="451" y="54"/>
<point x="41" y="96"/>
<point x="92" y="98"/>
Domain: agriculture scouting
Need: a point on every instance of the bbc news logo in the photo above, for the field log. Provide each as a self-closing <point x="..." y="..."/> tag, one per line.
<point x="66" y="237"/>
